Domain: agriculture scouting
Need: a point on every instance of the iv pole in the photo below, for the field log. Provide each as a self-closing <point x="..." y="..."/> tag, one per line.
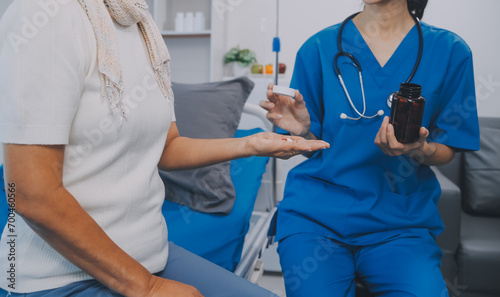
<point x="276" y="49"/>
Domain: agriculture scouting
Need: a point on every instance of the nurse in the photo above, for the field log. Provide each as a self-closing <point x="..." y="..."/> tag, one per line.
<point x="366" y="207"/>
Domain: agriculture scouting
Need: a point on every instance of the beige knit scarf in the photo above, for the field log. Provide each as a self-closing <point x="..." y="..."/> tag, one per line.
<point x="127" y="13"/>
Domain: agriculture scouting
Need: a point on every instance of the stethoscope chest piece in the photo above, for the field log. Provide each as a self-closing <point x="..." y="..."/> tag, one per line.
<point x="389" y="100"/>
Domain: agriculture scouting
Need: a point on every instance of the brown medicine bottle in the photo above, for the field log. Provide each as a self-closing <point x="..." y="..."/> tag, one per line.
<point x="407" y="112"/>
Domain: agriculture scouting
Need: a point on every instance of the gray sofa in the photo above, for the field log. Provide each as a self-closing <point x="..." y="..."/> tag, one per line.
<point x="470" y="209"/>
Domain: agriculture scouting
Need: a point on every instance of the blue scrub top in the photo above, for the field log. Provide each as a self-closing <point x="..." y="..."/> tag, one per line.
<point x="353" y="192"/>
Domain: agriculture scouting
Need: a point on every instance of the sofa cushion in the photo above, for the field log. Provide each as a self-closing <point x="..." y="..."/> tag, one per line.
<point x="479" y="255"/>
<point x="209" y="110"/>
<point x="482" y="175"/>
<point x="454" y="170"/>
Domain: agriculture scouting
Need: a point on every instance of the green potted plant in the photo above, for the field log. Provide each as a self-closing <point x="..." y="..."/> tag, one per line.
<point x="241" y="59"/>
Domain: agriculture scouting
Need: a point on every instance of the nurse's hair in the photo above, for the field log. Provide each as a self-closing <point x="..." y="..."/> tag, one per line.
<point x="417" y="7"/>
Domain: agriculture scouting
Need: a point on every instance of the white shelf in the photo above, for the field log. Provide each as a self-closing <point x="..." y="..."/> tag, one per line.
<point x="267" y="76"/>
<point x="262" y="77"/>
<point x="205" y="33"/>
<point x="191" y="52"/>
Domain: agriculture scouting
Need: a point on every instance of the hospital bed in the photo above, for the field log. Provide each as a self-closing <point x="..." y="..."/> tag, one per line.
<point x="235" y="241"/>
<point x="251" y="266"/>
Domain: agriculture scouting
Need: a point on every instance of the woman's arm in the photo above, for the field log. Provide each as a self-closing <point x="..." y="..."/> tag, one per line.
<point x="436" y="154"/>
<point x="56" y="216"/>
<point x="185" y="153"/>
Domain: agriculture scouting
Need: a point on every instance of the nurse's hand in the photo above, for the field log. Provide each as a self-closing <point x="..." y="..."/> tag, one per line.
<point x="387" y="142"/>
<point x="268" y="144"/>
<point x="288" y="113"/>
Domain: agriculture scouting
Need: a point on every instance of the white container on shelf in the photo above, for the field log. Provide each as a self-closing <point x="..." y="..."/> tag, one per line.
<point x="193" y="51"/>
<point x="199" y="22"/>
<point x="189" y="22"/>
<point x="179" y="22"/>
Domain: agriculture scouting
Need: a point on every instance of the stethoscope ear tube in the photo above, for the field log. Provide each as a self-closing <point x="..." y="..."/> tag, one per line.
<point x="349" y="56"/>
<point x="420" y="48"/>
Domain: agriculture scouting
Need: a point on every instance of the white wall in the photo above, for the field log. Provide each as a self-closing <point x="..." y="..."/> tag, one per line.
<point x="477" y="22"/>
<point x="238" y="22"/>
<point x="474" y="20"/>
<point x="3" y="6"/>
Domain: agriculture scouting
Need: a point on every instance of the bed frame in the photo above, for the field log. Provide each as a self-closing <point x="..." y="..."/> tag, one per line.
<point x="256" y="240"/>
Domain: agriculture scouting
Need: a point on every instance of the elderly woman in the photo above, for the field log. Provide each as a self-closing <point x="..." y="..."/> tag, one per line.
<point x="87" y="118"/>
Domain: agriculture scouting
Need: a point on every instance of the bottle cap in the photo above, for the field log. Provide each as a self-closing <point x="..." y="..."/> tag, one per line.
<point x="410" y="91"/>
<point x="284" y="91"/>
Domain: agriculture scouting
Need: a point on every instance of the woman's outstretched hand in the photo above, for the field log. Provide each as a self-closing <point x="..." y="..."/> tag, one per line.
<point x="268" y="144"/>
<point x="288" y="113"/>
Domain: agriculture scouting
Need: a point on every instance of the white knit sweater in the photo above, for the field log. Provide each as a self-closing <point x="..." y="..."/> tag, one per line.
<point x="51" y="94"/>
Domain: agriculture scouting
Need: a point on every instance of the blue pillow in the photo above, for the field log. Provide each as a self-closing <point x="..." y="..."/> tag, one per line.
<point x="219" y="238"/>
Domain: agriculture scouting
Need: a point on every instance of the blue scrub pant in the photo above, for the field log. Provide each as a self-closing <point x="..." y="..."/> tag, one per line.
<point x="183" y="266"/>
<point x="405" y="265"/>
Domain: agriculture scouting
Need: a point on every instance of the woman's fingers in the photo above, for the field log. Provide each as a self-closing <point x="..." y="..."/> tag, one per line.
<point x="419" y="145"/>
<point x="382" y="146"/>
<point x="288" y="146"/>
<point x="272" y="116"/>
<point x="270" y="94"/>
<point x="392" y="141"/>
<point x="424" y="133"/>
<point x="302" y="145"/>
<point x="383" y="131"/>
<point x="267" y="105"/>
<point x="299" y="99"/>
<point x="386" y="140"/>
<point x="291" y="112"/>
<point x="169" y="288"/>
<point x="310" y="146"/>
<point x="381" y="138"/>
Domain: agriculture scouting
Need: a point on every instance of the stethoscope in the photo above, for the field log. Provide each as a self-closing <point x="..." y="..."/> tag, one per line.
<point x="358" y="66"/>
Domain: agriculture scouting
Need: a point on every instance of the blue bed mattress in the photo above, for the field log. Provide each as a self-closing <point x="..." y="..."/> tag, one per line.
<point x="4" y="212"/>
